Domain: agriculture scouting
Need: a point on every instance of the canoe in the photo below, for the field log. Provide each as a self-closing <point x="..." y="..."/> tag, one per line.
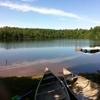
<point x="51" y="87"/>
<point x="82" y="88"/>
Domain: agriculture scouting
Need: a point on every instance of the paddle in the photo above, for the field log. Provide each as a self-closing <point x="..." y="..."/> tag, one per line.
<point x="19" y="98"/>
<point x="98" y="71"/>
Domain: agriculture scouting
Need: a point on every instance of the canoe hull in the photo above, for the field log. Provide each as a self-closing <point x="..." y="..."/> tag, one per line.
<point x="51" y="87"/>
<point x="81" y="87"/>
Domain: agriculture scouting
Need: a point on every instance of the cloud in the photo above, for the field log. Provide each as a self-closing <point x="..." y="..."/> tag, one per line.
<point x="42" y="10"/>
<point x="38" y="62"/>
<point x="25" y="8"/>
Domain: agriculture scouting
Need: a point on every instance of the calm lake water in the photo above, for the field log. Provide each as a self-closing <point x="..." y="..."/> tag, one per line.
<point x="31" y="57"/>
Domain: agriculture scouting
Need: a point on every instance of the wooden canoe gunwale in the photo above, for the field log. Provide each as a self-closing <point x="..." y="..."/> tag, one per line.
<point x="71" y="93"/>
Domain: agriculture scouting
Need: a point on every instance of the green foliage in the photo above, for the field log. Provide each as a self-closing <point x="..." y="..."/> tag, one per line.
<point x="35" y="33"/>
<point x="92" y="76"/>
<point x="21" y="85"/>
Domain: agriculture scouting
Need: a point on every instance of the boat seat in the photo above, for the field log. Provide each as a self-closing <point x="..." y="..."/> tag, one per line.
<point x="47" y="72"/>
<point x="71" y="79"/>
<point x="49" y="77"/>
<point x="48" y="83"/>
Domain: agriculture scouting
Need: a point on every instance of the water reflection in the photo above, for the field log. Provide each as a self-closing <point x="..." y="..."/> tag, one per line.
<point x="89" y="67"/>
<point x="31" y="57"/>
<point x="38" y="62"/>
<point x="47" y="43"/>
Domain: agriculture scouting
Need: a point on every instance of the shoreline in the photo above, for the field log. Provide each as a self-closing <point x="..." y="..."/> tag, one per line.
<point x="37" y="75"/>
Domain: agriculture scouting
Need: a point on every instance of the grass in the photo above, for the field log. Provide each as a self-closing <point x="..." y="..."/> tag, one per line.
<point x="95" y="77"/>
<point x="21" y="85"/>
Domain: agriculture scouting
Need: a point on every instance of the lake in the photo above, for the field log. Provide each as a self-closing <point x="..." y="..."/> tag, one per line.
<point x="31" y="57"/>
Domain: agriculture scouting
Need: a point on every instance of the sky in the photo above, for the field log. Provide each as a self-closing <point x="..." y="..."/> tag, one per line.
<point x="50" y="14"/>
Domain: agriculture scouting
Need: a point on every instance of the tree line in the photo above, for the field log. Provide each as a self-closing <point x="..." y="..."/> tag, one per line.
<point x="36" y="33"/>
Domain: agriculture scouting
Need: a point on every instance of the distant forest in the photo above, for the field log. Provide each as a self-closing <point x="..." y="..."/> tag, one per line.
<point x="36" y="33"/>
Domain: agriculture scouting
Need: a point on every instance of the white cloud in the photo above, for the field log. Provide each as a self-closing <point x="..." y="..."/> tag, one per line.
<point x="57" y="12"/>
<point x="24" y="8"/>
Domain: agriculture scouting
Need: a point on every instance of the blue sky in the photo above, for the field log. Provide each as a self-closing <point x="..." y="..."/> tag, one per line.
<point x="50" y="14"/>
